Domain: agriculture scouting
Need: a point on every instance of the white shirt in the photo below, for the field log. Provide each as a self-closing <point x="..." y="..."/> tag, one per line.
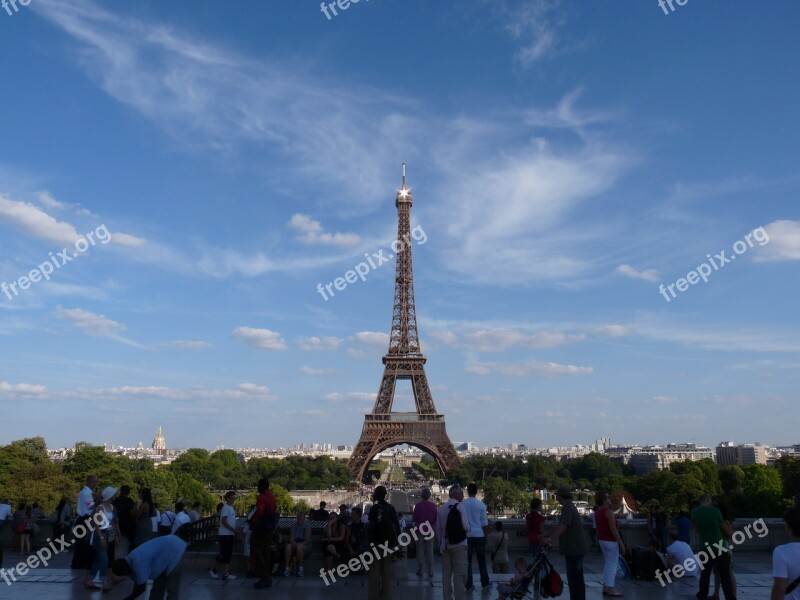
<point x="441" y="523"/>
<point x="194" y="516"/>
<point x="477" y="515"/>
<point x="5" y="512"/>
<point x="85" y="502"/>
<point x="180" y="519"/>
<point x="680" y="553"/>
<point x="167" y="518"/>
<point x="227" y="511"/>
<point x="786" y="563"/>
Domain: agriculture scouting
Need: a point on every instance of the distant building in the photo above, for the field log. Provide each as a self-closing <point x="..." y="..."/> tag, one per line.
<point x="650" y="458"/>
<point x="743" y="455"/>
<point x="159" y="443"/>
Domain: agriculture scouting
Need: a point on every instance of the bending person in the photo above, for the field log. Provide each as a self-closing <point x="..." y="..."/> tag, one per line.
<point x="159" y="560"/>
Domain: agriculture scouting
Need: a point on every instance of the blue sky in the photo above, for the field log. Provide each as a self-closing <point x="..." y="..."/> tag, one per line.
<point x="566" y="158"/>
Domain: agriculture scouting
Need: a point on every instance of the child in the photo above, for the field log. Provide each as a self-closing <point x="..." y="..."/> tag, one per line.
<point x="521" y="565"/>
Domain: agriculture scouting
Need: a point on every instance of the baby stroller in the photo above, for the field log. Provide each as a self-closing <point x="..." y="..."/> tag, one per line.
<point x="546" y="581"/>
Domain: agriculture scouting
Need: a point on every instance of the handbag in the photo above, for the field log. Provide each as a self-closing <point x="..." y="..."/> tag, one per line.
<point x="500" y="543"/>
<point x="792" y="586"/>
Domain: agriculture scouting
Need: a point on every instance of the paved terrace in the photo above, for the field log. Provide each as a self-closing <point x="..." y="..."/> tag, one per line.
<point x="58" y="582"/>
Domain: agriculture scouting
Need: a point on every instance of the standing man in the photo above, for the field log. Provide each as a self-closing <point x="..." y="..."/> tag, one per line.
<point x="384" y="528"/>
<point x="124" y="506"/>
<point x="786" y="561"/>
<point x="452" y="525"/>
<point x="573" y="543"/>
<point x="713" y="532"/>
<point x="159" y="560"/>
<point x="425" y="512"/>
<point x="262" y="525"/>
<point x="5" y="512"/>
<point x="476" y="538"/>
<point x="84" y="552"/>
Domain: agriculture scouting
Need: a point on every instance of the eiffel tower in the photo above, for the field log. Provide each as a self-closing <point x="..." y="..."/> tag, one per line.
<point x="383" y="428"/>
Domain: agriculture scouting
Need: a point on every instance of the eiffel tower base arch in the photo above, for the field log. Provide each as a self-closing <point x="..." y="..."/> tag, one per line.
<point x="381" y="432"/>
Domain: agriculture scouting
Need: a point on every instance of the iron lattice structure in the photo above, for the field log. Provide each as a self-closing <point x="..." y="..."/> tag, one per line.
<point x="383" y="428"/>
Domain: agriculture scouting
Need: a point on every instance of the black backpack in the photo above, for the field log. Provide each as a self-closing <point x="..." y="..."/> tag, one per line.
<point x="453" y="528"/>
<point x="385" y="526"/>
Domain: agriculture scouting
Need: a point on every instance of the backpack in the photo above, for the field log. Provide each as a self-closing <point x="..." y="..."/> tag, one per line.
<point x="385" y="527"/>
<point x="551" y="585"/>
<point x="454" y="530"/>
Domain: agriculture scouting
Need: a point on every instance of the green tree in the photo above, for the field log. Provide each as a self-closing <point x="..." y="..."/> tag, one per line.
<point x="763" y="491"/>
<point x="789" y="469"/>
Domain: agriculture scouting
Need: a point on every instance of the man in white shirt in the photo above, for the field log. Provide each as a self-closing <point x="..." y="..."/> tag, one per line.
<point x="454" y="551"/>
<point x="680" y="553"/>
<point x="5" y="511"/>
<point x="786" y="561"/>
<point x="84" y="552"/>
<point x="181" y="517"/>
<point x="476" y="537"/>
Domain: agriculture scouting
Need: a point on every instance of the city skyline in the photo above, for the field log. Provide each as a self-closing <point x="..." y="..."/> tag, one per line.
<point x="605" y="201"/>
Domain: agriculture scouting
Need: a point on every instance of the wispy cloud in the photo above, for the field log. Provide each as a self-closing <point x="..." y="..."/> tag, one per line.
<point x="534" y="25"/>
<point x="95" y="325"/>
<point x="629" y="271"/>
<point x="530" y="367"/>
<point x="319" y="343"/>
<point x="501" y="339"/>
<point x="317" y="372"/>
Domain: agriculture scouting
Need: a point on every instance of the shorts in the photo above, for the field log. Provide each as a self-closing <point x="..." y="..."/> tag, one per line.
<point x="225" y="548"/>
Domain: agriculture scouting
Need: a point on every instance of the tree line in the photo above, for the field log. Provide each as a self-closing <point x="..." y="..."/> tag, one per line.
<point x="27" y="475"/>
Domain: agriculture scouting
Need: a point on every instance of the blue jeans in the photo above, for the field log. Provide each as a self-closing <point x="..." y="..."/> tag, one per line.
<point x="477" y="545"/>
<point x="577" y="587"/>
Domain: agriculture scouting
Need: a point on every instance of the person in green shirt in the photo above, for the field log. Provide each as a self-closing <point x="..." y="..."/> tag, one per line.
<point x="573" y="543"/>
<point x="713" y="532"/>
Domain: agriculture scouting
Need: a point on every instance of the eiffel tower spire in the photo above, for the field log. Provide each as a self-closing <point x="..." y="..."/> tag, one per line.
<point x="423" y="428"/>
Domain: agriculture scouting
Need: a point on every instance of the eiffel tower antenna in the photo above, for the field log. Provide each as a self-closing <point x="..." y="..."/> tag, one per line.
<point x="383" y="428"/>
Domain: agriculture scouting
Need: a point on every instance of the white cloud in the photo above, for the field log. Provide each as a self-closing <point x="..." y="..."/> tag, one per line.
<point x="312" y="233"/>
<point x="372" y="338"/>
<point x="531" y="24"/>
<point x="612" y="331"/>
<point x="95" y="325"/>
<point x="34" y="222"/>
<point x="500" y="339"/>
<point x="21" y="389"/>
<point x="319" y="343"/>
<point x="784" y="242"/>
<point x="185" y="344"/>
<point x="242" y="392"/>
<point x="530" y="367"/>
<point x="260" y="338"/>
<point x="50" y="203"/>
<point x="664" y="399"/>
<point x="314" y="372"/>
<point x="336" y="397"/>
<point x="629" y="271"/>
<point x="127" y="240"/>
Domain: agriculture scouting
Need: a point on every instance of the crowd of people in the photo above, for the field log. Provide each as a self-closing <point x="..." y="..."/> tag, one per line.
<point x="140" y="540"/>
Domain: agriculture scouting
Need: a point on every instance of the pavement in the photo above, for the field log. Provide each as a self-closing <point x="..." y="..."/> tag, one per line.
<point x="57" y="582"/>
